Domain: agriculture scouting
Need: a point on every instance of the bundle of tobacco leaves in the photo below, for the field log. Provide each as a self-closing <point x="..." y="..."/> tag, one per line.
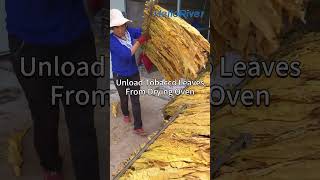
<point x="253" y="26"/>
<point x="286" y="135"/>
<point x="177" y="49"/>
<point x="182" y="151"/>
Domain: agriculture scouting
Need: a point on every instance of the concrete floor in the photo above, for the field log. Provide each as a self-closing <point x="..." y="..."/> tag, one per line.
<point x="123" y="142"/>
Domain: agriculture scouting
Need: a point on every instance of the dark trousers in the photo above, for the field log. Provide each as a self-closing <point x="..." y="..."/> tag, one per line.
<point x="45" y="115"/>
<point x="135" y="102"/>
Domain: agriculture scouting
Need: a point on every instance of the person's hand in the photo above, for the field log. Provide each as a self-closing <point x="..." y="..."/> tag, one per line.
<point x="143" y="58"/>
<point x="144" y="38"/>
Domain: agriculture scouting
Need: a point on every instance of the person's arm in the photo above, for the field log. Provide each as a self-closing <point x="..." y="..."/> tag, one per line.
<point x="123" y="51"/>
<point x="117" y="49"/>
<point x="135" y="47"/>
<point x="135" y="32"/>
<point x="141" y="40"/>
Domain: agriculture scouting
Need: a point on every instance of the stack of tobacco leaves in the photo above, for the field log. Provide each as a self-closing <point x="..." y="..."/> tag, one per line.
<point x="253" y="26"/>
<point x="286" y="135"/>
<point x="177" y="49"/>
<point x="182" y="151"/>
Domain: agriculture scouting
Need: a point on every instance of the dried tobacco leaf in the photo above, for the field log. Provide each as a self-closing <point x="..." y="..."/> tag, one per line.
<point x="183" y="150"/>
<point x="286" y="135"/>
<point x="253" y="26"/>
<point x="176" y="48"/>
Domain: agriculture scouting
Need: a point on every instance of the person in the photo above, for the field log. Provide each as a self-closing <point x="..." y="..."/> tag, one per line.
<point x="42" y="30"/>
<point x="124" y="66"/>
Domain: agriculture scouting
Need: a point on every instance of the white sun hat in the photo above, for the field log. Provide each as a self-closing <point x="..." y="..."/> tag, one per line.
<point x="116" y="18"/>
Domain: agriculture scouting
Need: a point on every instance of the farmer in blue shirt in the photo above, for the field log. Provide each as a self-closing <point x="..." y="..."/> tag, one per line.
<point x="44" y="29"/>
<point x="123" y="47"/>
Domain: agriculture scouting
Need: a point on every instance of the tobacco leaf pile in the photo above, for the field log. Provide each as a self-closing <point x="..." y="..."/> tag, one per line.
<point x="253" y="26"/>
<point x="176" y="48"/>
<point x="183" y="150"/>
<point x="286" y="135"/>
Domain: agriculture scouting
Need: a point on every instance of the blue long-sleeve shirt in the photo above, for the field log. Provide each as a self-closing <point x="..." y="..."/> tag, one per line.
<point x="123" y="63"/>
<point x="46" y="21"/>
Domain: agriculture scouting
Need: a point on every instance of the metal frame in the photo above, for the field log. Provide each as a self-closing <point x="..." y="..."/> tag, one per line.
<point x="178" y="5"/>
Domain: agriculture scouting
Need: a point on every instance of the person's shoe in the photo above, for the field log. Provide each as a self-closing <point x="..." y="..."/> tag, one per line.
<point x="140" y="131"/>
<point x="51" y="175"/>
<point x="126" y="119"/>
